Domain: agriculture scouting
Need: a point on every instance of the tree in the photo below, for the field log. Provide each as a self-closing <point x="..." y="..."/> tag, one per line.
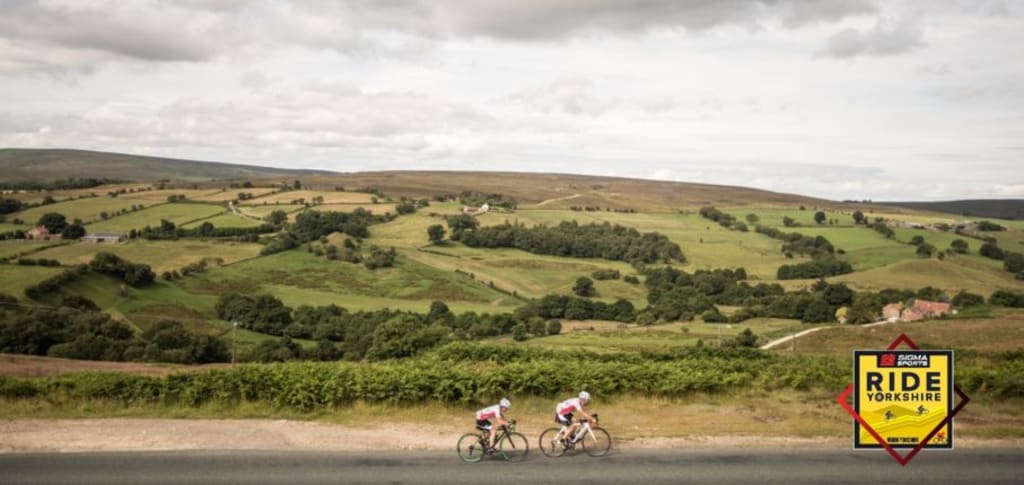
<point x="820" y="217"/>
<point x="53" y="222"/>
<point x="858" y="217"/>
<point x="277" y="217"/>
<point x="959" y="245"/>
<point x="917" y="240"/>
<point x="1013" y="262"/>
<point x="554" y="327"/>
<point x="925" y="250"/>
<point x="73" y="231"/>
<point x="435" y="233"/>
<point x="965" y="299"/>
<point x="788" y="221"/>
<point x="753" y="219"/>
<point x="8" y="206"/>
<point x="991" y="251"/>
<point x="584" y="287"/>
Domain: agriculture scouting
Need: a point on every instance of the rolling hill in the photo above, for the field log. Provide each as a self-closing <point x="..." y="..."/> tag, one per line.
<point x="20" y="165"/>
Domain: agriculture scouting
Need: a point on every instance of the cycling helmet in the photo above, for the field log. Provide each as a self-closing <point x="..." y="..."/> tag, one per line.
<point x="505" y="403"/>
<point x="585" y="395"/>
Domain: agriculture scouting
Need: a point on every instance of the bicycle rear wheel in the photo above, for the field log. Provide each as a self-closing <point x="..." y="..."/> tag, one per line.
<point x="597" y="442"/>
<point x="470" y="448"/>
<point x="514" y="447"/>
<point x="548" y="445"/>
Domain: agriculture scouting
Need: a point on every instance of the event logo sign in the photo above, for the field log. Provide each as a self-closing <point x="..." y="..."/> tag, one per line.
<point x="903" y="399"/>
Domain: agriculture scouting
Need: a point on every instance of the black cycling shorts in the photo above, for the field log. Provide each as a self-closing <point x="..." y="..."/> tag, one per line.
<point x="483" y="424"/>
<point x="563" y="419"/>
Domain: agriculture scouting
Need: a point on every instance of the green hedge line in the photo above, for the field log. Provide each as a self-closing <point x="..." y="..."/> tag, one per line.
<point x="478" y="377"/>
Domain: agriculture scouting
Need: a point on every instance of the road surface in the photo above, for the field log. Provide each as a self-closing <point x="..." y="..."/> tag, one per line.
<point x="647" y="467"/>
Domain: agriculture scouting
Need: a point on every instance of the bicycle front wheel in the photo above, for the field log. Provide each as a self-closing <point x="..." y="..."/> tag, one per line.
<point x="548" y="445"/>
<point x="597" y="442"/>
<point x="514" y="447"/>
<point x="470" y="448"/>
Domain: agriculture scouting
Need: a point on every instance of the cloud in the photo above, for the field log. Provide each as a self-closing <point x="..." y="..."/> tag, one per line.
<point x="202" y="30"/>
<point x="886" y="38"/>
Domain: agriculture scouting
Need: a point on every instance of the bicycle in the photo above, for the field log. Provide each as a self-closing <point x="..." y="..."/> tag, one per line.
<point x="594" y="441"/>
<point x="510" y="445"/>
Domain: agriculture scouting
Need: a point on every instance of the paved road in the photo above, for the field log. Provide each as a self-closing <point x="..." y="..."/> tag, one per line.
<point x="794" y="466"/>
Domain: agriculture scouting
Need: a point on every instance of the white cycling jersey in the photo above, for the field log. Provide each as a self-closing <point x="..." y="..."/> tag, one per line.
<point x="489" y="412"/>
<point x="569" y="405"/>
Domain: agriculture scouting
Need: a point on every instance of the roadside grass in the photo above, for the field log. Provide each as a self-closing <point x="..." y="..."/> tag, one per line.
<point x="159" y="255"/>
<point x="227" y="219"/>
<point x="179" y="213"/>
<point x="951" y="275"/>
<point x="740" y="413"/>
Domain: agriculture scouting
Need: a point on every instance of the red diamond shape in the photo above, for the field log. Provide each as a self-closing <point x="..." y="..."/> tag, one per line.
<point x="902" y="459"/>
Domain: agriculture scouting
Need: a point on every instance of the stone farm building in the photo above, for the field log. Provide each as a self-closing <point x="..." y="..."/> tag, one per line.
<point x="41" y="233"/>
<point x="104" y="237"/>
<point x="915" y="310"/>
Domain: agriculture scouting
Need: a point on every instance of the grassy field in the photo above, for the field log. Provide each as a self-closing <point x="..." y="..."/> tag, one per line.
<point x="227" y="194"/>
<point x="20" y="247"/>
<point x="87" y="209"/>
<point x="951" y="275"/>
<point x="14" y="278"/>
<point x="606" y="336"/>
<point x="10" y="227"/>
<point x="159" y="255"/>
<point x="1004" y="331"/>
<point x="377" y="209"/>
<point x="224" y="220"/>
<point x="300" y="277"/>
<point x="330" y="197"/>
<point x="181" y="213"/>
<point x="261" y="211"/>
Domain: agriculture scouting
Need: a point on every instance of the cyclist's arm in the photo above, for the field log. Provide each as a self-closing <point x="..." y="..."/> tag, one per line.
<point x="585" y="414"/>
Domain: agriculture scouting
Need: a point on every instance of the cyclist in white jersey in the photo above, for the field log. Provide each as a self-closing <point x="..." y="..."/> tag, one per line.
<point x="496" y="412"/>
<point x="564" y="410"/>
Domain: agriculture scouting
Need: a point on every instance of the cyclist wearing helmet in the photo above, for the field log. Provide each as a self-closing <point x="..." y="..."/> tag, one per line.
<point x="497" y="412"/>
<point x="564" y="410"/>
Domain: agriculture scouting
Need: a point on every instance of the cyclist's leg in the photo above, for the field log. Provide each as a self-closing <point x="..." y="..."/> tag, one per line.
<point x="485" y="426"/>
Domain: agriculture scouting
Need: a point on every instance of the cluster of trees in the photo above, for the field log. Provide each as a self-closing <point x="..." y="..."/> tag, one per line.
<point x="607" y="241"/>
<point x="52" y="284"/>
<point x="131" y="273"/>
<point x="819" y="268"/>
<point x="75" y="330"/>
<point x="723" y="219"/>
<point x="924" y="249"/>
<point x="796" y="243"/>
<point x="169" y="230"/>
<point x="492" y="199"/>
<point x="312" y="225"/>
<point x="385" y="333"/>
<point x="1012" y="262"/>
<point x="880" y="227"/>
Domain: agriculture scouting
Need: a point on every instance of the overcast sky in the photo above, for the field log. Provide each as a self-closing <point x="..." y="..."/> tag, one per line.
<point x="844" y="99"/>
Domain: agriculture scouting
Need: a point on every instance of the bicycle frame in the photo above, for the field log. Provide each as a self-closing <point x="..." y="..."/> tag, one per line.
<point x="581" y="432"/>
